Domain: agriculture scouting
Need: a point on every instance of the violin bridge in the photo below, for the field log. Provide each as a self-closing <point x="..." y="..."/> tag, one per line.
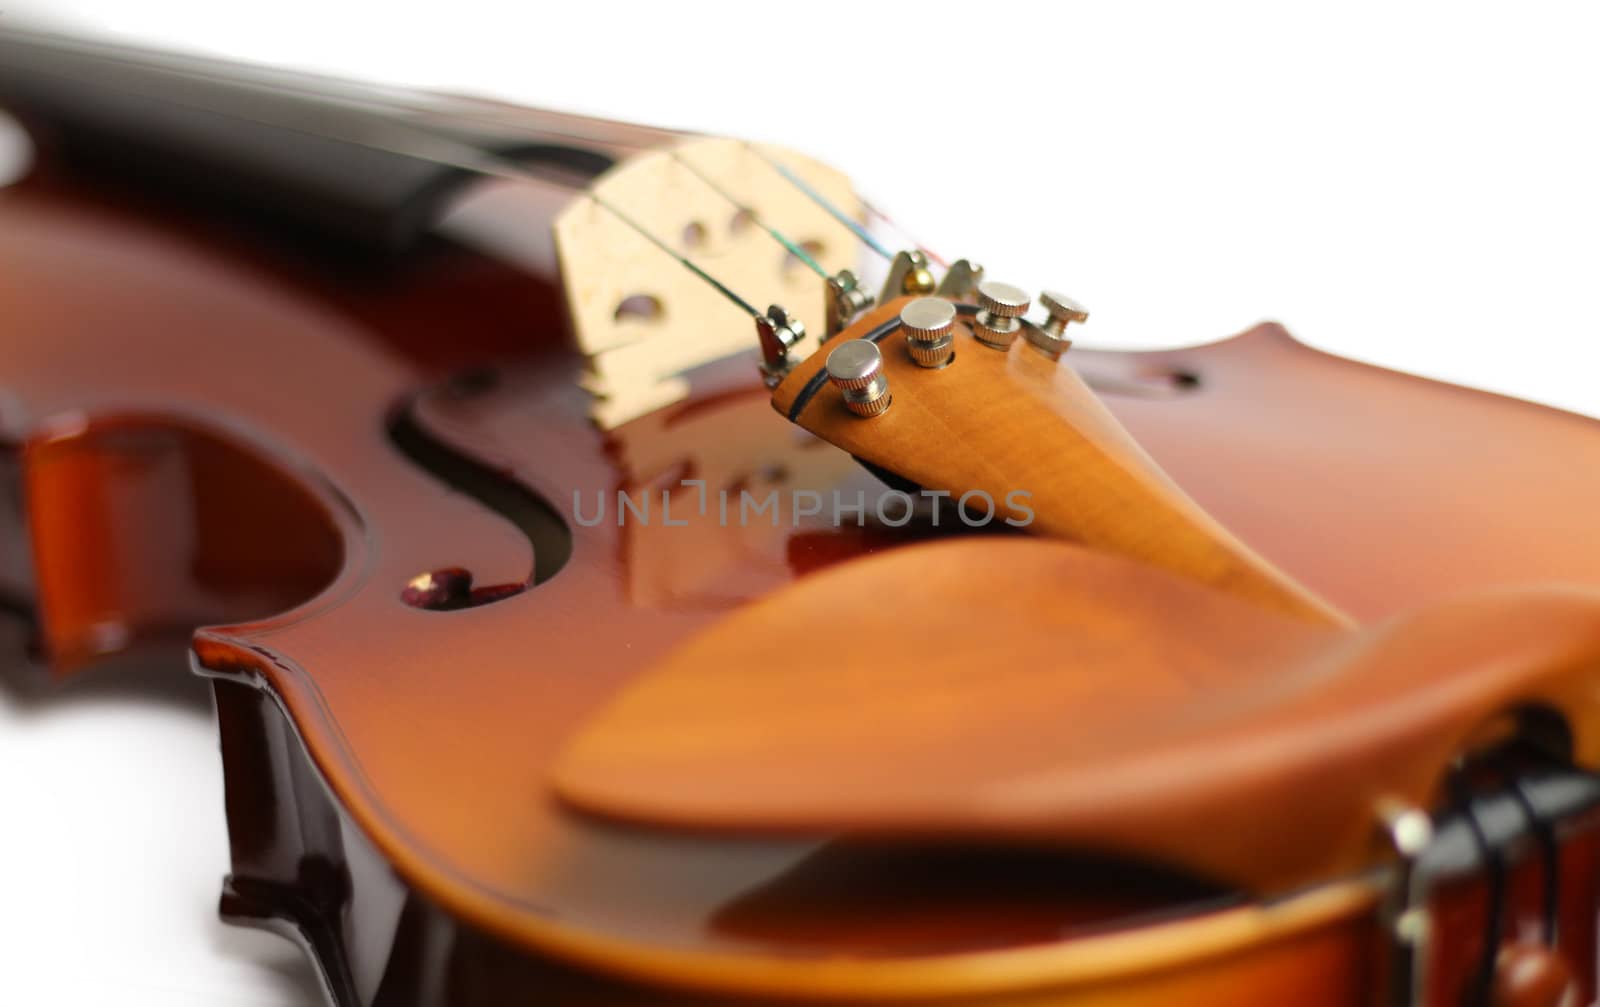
<point x="640" y="318"/>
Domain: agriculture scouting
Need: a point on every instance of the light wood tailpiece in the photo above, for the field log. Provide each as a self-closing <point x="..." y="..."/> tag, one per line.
<point x="1009" y="422"/>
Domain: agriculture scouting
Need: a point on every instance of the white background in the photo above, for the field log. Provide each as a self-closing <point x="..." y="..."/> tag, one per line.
<point x="1412" y="184"/>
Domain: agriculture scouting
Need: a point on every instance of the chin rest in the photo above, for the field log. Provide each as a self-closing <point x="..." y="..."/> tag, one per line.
<point x="1016" y="689"/>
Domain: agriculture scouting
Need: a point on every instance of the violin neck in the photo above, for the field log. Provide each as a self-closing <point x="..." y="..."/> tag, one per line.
<point x="328" y="155"/>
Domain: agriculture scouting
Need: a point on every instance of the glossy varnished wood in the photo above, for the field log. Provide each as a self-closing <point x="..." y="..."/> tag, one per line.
<point x="1002" y="422"/>
<point x="1100" y="705"/>
<point x="434" y="732"/>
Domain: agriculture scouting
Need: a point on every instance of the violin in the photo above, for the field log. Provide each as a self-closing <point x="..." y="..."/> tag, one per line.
<point x="613" y="592"/>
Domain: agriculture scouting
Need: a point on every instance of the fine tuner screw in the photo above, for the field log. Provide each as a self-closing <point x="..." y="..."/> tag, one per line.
<point x="1000" y="310"/>
<point x="1050" y="338"/>
<point x="856" y="368"/>
<point x="920" y="279"/>
<point x="929" y="326"/>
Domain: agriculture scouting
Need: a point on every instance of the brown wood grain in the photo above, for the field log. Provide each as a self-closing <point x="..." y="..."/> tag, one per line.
<point x="1040" y="693"/>
<point x="1003" y="422"/>
<point x="437" y="731"/>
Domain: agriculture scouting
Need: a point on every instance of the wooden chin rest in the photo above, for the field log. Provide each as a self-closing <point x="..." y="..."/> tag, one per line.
<point x="1033" y="691"/>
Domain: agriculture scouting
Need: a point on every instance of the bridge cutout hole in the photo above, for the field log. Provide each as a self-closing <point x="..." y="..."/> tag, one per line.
<point x="638" y="308"/>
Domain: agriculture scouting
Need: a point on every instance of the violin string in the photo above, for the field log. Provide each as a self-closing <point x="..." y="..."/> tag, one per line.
<point x="822" y="201"/>
<point x="453" y="153"/>
<point x="499" y="167"/>
<point x="380" y="99"/>
<point x="682" y="260"/>
<point x="424" y="144"/>
<point x="408" y="139"/>
<point x="794" y="249"/>
<point x="919" y="246"/>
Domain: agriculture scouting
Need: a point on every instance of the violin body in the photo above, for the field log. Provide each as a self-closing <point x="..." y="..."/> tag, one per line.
<point x="366" y="498"/>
